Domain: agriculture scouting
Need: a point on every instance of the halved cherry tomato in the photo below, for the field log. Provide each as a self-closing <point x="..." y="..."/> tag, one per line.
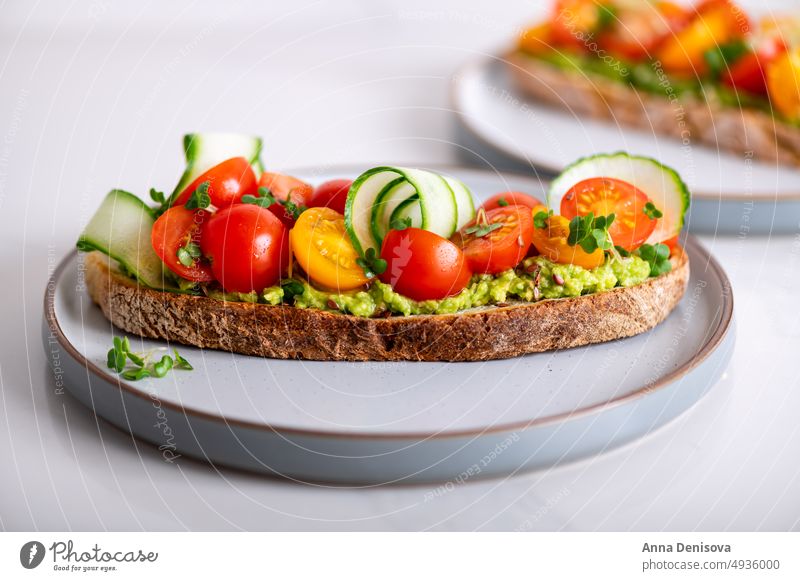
<point x="422" y="265"/>
<point x="283" y="188"/>
<point x="331" y="194"/>
<point x="604" y="196"/>
<point x="175" y="229"/>
<point x="537" y="40"/>
<point x="673" y="243"/>
<point x="322" y="247"/>
<point x="510" y="199"/>
<point x="783" y="80"/>
<point x="675" y="15"/>
<point x="228" y="182"/>
<point x="575" y="22"/>
<point x="551" y="242"/>
<point x="248" y="247"/>
<point x="748" y="73"/>
<point x="502" y="243"/>
<point x="638" y="29"/>
<point x="716" y="23"/>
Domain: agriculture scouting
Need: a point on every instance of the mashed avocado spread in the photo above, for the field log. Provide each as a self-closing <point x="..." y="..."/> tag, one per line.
<point x="554" y="281"/>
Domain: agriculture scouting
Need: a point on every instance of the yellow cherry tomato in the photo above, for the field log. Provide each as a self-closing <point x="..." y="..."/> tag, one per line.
<point x="321" y="246"/>
<point x="536" y="40"/>
<point x="717" y="22"/>
<point x="551" y="242"/>
<point x="783" y="82"/>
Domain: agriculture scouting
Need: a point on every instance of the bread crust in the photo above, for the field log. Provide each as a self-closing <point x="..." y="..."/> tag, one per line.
<point x="285" y="332"/>
<point x="747" y="132"/>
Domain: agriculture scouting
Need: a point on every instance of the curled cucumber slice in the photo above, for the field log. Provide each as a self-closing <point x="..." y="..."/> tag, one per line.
<point x="431" y="201"/>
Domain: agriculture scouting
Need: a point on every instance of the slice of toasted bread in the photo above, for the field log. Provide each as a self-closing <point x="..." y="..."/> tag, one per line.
<point x="689" y="119"/>
<point x="286" y="332"/>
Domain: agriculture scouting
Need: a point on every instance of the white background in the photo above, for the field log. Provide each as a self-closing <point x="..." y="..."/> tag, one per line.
<point x="96" y="95"/>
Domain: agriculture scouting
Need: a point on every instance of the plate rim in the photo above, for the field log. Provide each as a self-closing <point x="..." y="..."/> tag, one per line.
<point x="456" y="103"/>
<point x="709" y="346"/>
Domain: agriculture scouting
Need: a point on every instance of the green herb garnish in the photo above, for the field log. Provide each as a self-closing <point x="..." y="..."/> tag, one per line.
<point x="291" y="289"/>
<point x="651" y="211"/>
<point x="136" y="374"/>
<point x="591" y="233"/>
<point x="161" y="368"/>
<point x="606" y="16"/>
<point x="188" y="254"/>
<point x="180" y="362"/>
<point x="199" y="200"/>
<point x="622" y="252"/>
<point x="117" y="355"/>
<point x="265" y="199"/>
<point x="400" y="223"/>
<point x="502" y="202"/>
<point x="721" y="57"/>
<point x="481" y="230"/>
<point x="371" y="263"/>
<point x="157" y="197"/>
<point x="121" y="353"/>
<point x="293" y="210"/>
<point x="540" y="219"/>
<point x="657" y="256"/>
<point x="160" y="199"/>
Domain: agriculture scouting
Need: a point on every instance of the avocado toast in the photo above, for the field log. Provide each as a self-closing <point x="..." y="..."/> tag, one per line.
<point x="396" y="265"/>
<point x="704" y="74"/>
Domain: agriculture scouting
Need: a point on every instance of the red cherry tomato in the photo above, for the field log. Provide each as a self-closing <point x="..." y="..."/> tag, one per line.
<point x="283" y="188"/>
<point x="604" y="196"/>
<point x="228" y="182"/>
<point x="331" y="194"/>
<point x="510" y="199"/>
<point x="673" y="243"/>
<point x="503" y="242"/>
<point x="422" y="265"/>
<point x="248" y="247"/>
<point x="175" y="229"/>
<point x="748" y="73"/>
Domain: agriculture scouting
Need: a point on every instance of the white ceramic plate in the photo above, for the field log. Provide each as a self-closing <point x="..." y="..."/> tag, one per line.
<point x="388" y="422"/>
<point x="730" y="193"/>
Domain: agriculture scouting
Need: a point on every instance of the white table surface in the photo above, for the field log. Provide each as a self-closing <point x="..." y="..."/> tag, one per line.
<point x="96" y="95"/>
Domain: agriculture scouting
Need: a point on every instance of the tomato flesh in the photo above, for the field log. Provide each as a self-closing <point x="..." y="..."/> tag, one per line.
<point x="283" y="188"/>
<point x="501" y="248"/>
<point x="323" y="249"/>
<point x="603" y="196"/>
<point x="422" y="265"/>
<point x="228" y="182"/>
<point x="331" y="194"/>
<point x="248" y="247"/>
<point x="510" y="198"/>
<point x="173" y="230"/>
